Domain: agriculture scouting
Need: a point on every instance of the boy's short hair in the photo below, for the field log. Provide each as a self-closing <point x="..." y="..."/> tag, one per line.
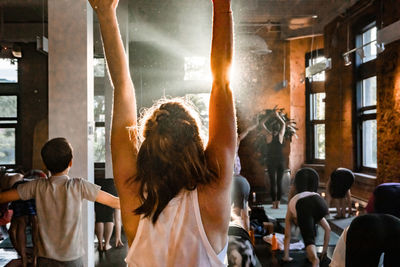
<point x="56" y="154"/>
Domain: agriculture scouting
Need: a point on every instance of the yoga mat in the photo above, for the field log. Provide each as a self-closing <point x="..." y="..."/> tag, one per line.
<point x="278" y="214"/>
<point x="299" y="260"/>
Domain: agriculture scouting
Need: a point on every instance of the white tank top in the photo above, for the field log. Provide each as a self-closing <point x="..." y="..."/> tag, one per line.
<point x="293" y="201"/>
<point x="177" y="239"/>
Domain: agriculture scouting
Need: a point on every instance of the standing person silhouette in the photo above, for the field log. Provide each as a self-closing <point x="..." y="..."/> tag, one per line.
<point x="175" y="194"/>
<point x="275" y="157"/>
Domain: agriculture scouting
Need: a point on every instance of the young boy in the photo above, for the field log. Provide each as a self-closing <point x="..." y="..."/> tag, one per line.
<point x="59" y="206"/>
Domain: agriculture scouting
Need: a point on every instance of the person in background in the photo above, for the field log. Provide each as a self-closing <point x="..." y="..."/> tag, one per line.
<point x="59" y="201"/>
<point x="241" y="187"/>
<point x="383" y="231"/>
<point x="307" y="209"/>
<point x="385" y="199"/>
<point x="338" y="191"/>
<point x="305" y="179"/>
<point x="275" y="158"/>
<point x="106" y="217"/>
<point x="24" y="215"/>
<point x="175" y="193"/>
<point x="364" y="241"/>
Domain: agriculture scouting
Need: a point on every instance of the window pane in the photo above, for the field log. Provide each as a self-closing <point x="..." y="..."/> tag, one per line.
<point x="320" y="77"/>
<point x="369" y="92"/>
<point x="7" y="146"/>
<point x="99" y="108"/>
<point x="8" y="70"/>
<point x="369" y="143"/>
<point x="99" y="67"/>
<point x="369" y="50"/>
<point x="319" y="141"/>
<point x="99" y="145"/>
<point x="318" y="106"/>
<point x="8" y="106"/>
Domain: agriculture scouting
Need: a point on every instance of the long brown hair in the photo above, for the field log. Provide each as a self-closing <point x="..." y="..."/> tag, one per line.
<point x="171" y="156"/>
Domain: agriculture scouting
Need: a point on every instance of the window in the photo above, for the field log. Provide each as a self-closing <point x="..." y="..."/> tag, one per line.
<point x="8" y="129"/>
<point x="319" y="77"/>
<point x="99" y="133"/>
<point x="99" y="66"/>
<point x="366" y="90"/>
<point x="8" y="70"/>
<point x="315" y="102"/>
<point x="367" y="40"/>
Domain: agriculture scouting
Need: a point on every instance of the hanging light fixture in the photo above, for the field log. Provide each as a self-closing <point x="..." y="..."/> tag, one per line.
<point x="347" y="61"/>
<point x="346" y="57"/>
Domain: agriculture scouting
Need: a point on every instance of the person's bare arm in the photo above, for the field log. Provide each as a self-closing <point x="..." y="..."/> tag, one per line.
<point x="214" y="198"/>
<point x="117" y="221"/>
<point x="220" y="149"/>
<point x="244" y="213"/>
<point x="327" y="230"/>
<point x="123" y="141"/>
<point x="286" y="242"/>
<point x="243" y="134"/>
<point x="108" y="199"/>
<point x="283" y="127"/>
<point x="348" y="201"/>
<point x="8" y="196"/>
<point x="328" y="193"/>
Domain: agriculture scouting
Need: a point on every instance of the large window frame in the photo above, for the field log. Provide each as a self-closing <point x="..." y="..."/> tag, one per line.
<point x="365" y="70"/>
<point x="11" y="89"/>
<point x="313" y="89"/>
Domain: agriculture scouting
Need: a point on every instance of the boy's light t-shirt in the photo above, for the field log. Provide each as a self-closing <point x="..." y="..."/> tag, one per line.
<point x="59" y="211"/>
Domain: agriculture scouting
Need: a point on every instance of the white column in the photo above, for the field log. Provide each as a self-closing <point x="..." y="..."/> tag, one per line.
<point x="70" y="30"/>
<point x="123" y="22"/>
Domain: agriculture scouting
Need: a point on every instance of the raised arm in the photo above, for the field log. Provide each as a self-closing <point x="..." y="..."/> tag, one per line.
<point x="123" y="140"/>
<point x="222" y="127"/>
<point x="243" y="134"/>
<point x="283" y="127"/>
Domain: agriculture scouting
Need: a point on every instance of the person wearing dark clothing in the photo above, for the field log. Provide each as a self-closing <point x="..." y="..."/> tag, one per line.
<point x="306" y="179"/>
<point x="240" y="191"/>
<point x="275" y="158"/>
<point x="338" y="189"/>
<point x="240" y="249"/>
<point x="306" y="209"/>
<point x="371" y="235"/>
<point x="385" y="199"/>
<point x="106" y="217"/>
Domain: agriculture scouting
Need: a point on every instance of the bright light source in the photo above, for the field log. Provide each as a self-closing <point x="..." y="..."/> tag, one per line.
<point x="197" y="69"/>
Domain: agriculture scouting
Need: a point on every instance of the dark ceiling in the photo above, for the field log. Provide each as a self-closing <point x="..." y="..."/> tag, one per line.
<point x="184" y="21"/>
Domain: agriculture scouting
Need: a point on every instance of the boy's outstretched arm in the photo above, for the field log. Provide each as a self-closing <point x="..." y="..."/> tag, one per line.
<point x="8" y="196"/>
<point x="108" y="199"/>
